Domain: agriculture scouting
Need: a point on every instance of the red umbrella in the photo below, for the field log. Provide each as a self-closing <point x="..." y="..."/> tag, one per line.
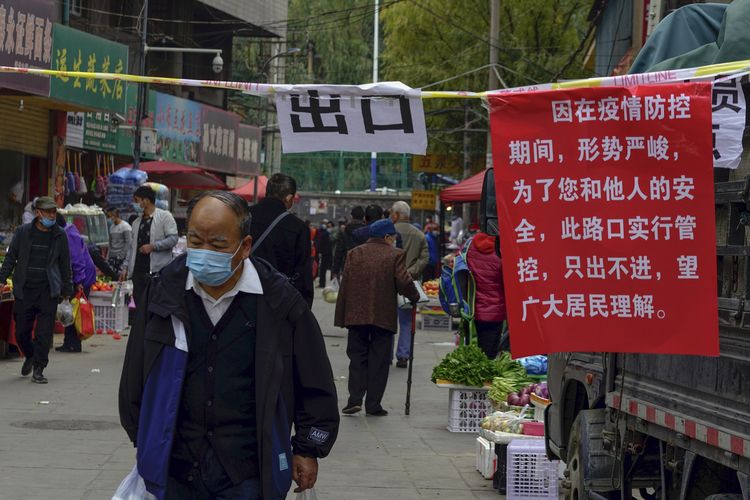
<point x="247" y="190"/>
<point x="465" y="191"/>
<point x="175" y="175"/>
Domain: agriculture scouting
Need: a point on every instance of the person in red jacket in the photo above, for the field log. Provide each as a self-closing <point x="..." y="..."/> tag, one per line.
<point x="489" y="310"/>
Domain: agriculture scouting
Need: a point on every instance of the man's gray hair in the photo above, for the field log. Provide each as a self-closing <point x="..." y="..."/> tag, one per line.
<point x="235" y="202"/>
<point x="402" y="208"/>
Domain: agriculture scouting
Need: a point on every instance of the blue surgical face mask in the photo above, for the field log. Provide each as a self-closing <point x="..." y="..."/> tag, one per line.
<point x="210" y="267"/>
<point x="48" y="223"/>
<point x="138" y="209"/>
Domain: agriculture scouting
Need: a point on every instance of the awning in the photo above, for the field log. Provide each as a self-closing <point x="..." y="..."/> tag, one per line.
<point x="177" y="176"/>
<point x="247" y="190"/>
<point x="465" y="191"/>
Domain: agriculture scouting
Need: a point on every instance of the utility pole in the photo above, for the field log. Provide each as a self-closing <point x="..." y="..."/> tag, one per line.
<point x="494" y="42"/>
<point x="375" y="55"/>
<point x="466" y="214"/>
<point x="310" y="57"/>
<point x="142" y="89"/>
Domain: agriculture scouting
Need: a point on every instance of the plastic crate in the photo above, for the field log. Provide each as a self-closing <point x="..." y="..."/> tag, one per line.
<point x="486" y="460"/>
<point x="105" y="298"/>
<point x="530" y="475"/>
<point x="439" y="322"/>
<point x="467" y="408"/>
<point x="107" y="317"/>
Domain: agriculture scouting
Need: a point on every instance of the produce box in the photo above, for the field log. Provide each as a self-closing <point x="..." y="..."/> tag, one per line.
<point x="466" y="408"/>
<point x="529" y="473"/>
<point x="486" y="460"/>
<point x="436" y="322"/>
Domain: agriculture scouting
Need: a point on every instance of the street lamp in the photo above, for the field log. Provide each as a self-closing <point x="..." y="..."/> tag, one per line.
<point x="289" y="52"/>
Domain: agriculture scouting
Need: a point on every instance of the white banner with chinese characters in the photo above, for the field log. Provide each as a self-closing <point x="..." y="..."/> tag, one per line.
<point x="381" y="117"/>
<point x="728" y="122"/>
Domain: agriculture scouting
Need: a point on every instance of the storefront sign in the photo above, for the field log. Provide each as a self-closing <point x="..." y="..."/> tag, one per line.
<point x="351" y="118"/>
<point x="248" y="150"/>
<point x="178" y="129"/>
<point x="75" y="50"/>
<point x="219" y="140"/>
<point x="607" y="226"/>
<point x="74" y="130"/>
<point x="100" y="132"/>
<point x="423" y="200"/>
<point x="438" y="164"/>
<point x="728" y="124"/>
<point x="26" y="41"/>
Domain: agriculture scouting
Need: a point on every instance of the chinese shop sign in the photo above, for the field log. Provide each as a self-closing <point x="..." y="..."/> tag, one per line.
<point x="423" y="200"/>
<point x="606" y="206"/>
<point x="74" y="50"/>
<point x="351" y="118"/>
<point x="248" y="150"/>
<point x="178" y="129"/>
<point x="219" y="140"/>
<point x="438" y="164"/>
<point x="26" y="42"/>
<point x="125" y="134"/>
<point x="100" y="132"/>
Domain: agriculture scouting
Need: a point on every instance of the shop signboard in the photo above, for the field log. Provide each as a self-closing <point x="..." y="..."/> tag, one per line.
<point x="248" y="150"/>
<point x="26" y="42"/>
<point x="219" y="140"/>
<point x="74" y="130"/>
<point x="74" y="50"/>
<point x="438" y="164"/>
<point x="423" y="200"/>
<point x="100" y="131"/>
<point x="178" y="129"/>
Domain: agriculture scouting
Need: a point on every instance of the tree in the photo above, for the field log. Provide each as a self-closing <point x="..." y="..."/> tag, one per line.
<point x="429" y="41"/>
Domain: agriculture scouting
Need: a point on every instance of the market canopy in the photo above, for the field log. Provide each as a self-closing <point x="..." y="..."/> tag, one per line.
<point x="247" y="190"/>
<point x="465" y="191"/>
<point x="176" y="176"/>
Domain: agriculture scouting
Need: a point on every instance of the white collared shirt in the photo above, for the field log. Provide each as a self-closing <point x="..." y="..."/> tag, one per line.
<point x="249" y="282"/>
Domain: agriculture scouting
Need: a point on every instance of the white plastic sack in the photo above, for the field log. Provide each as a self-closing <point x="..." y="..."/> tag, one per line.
<point x="65" y="313"/>
<point x="133" y="488"/>
<point x="307" y="495"/>
<point x="331" y="292"/>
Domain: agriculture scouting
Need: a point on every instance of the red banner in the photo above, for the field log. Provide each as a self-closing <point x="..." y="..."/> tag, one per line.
<point x="607" y="225"/>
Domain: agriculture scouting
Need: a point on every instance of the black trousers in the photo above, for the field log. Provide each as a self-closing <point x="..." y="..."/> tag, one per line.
<point x="209" y="481"/>
<point x="140" y="283"/>
<point x="488" y="337"/>
<point x="71" y="335"/>
<point x="37" y="305"/>
<point x="325" y="266"/>
<point x="369" y="349"/>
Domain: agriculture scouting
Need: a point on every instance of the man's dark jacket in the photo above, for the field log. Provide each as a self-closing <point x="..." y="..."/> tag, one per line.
<point x="287" y="247"/>
<point x="293" y="379"/>
<point x="323" y="243"/>
<point x="58" y="262"/>
<point x="347" y="241"/>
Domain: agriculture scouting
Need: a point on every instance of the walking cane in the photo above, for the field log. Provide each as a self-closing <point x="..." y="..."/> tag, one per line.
<point x="411" y="356"/>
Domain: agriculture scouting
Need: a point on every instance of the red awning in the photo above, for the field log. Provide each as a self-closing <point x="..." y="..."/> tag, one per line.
<point x="177" y="176"/>
<point x="465" y="191"/>
<point x="247" y="190"/>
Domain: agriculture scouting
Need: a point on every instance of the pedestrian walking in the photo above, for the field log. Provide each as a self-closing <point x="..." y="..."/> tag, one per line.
<point x="280" y="237"/>
<point x="347" y="239"/>
<point x="417" y="257"/>
<point x="373" y="276"/>
<point x="489" y="307"/>
<point x="154" y="236"/>
<point x="324" y="248"/>
<point x="120" y="233"/>
<point x="224" y="359"/>
<point x="39" y="260"/>
<point x="83" y="274"/>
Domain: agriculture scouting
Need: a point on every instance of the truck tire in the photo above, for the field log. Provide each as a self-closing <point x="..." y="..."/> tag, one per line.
<point x="588" y="462"/>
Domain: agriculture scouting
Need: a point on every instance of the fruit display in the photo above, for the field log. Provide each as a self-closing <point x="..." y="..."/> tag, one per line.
<point x="523" y="397"/>
<point x="431" y="288"/>
<point x="102" y="285"/>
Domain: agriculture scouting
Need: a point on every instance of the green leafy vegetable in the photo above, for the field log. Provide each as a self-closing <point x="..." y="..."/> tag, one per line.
<point x="465" y="365"/>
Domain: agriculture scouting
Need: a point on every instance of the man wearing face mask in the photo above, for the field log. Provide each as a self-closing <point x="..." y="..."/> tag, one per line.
<point x="225" y="358"/>
<point x="282" y="238"/>
<point x="154" y="236"/>
<point x="39" y="260"/>
<point x="120" y="234"/>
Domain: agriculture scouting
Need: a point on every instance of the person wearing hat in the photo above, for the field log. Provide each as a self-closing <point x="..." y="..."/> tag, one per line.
<point x="374" y="274"/>
<point x="39" y="260"/>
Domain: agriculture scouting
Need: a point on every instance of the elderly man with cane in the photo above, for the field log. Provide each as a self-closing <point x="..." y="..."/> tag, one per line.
<point x="374" y="274"/>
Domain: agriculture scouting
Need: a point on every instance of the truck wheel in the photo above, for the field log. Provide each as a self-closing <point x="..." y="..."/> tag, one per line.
<point x="587" y="460"/>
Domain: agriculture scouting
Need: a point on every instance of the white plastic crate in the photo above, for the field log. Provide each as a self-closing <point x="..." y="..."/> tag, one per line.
<point x="107" y="317"/>
<point x="439" y="322"/>
<point x="467" y="407"/>
<point x="486" y="460"/>
<point x="530" y="475"/>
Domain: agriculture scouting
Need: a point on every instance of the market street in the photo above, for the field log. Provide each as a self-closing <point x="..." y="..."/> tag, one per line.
<point x="63" y="440"/>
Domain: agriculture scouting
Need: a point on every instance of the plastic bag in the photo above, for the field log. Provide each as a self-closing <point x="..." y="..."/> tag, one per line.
<point x="133" y="488"/>
<point x="535" y="365"/>
<point x="307" y="495"/>
<point x="65" y="313"/>
<point x="331" y="292"/>
<point x="83" y="312"/>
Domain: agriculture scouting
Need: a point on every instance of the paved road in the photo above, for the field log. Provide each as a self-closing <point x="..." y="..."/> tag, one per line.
<point x="63" y="441"/>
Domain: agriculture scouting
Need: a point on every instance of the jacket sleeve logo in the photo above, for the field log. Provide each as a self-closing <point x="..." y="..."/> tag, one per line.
<point x="318" y="436"/>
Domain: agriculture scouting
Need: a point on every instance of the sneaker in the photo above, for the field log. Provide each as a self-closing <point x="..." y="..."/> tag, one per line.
<point x="351" y="409"/>
<point x="28" y="364"/>
<point x="38" y="377"/>
<point x="65" y="348"/>
<point x="379" y="413"/>
<point x="402" y="363"/>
